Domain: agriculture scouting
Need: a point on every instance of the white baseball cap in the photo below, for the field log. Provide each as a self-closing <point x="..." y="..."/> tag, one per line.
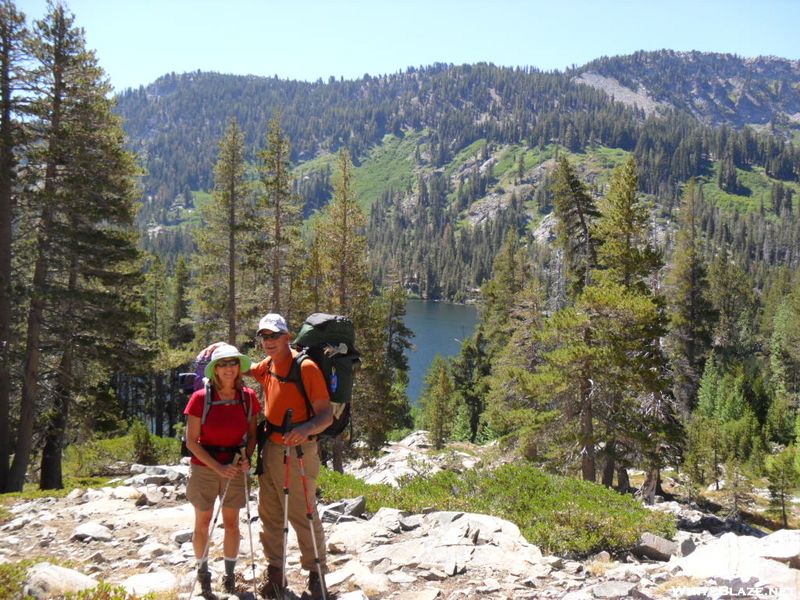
<point x="273" y="322"/>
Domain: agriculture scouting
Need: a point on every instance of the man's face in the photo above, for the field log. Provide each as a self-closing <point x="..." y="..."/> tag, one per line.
<point x="275" y="343"/>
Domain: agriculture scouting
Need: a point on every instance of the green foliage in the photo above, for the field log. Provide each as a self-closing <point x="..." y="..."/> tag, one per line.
<point x="93" y="457"/>
<point x="560" y="515"/>
<point x="106" y="591"/>
<point x="12" y="580"/>
<point x="143" y="447"/>
<point x="737" y="492"/>
<point x="783" y="477"/>
<point x="437" y="403"/>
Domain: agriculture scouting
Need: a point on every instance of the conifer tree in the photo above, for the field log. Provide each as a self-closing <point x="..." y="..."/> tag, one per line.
<point x="158" y="331"/>
<point x="343" y="256"/>
<point x="784" y="366"/>
<point x="601" y="363"/>
<point x="182" y="332"/>
<point x="470" y="370"/>
<point x="437" y="403"/>
<point x="84" y="273"/>
<point x="13" y="36"/>
<point x="691" y="314"/>
<point x="346" y="289"/>
<point x="738" y="491"/>
<point x="281" y="214"/>
<point x="783" y="477"/>
<point x="510" y="275"/>
<point x="731" y="292"/>
<point x="398" y="336"/>
<point x="624" y="253"/>
<point x="625" y="257"/>
<point x="575" y="211"/>
<point x="222" y="244"/>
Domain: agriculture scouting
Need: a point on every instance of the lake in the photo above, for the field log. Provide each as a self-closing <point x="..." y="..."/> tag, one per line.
<point x="439" y="329"/>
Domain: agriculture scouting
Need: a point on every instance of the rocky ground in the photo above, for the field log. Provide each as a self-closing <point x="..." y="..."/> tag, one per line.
<point x="137" y="535"/>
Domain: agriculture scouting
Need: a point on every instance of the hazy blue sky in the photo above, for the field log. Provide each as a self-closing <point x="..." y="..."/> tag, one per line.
<point x="137" y="41"/>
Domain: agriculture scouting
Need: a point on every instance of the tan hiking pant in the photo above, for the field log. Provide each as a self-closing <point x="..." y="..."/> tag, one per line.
<point x="270" y="504"/>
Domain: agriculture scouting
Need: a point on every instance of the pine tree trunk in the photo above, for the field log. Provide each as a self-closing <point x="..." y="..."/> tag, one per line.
<point x="609" y="466"/>
<point x="27" y="412"/>
<point x="338" y="454"/>
<point x="5" y="316"/>
<point x="50" y="477"/>
<point x="12" y="32"/>
<point x="158" y="418"/>
<point x="623" y="481"/>
<point x="588" y="468"/>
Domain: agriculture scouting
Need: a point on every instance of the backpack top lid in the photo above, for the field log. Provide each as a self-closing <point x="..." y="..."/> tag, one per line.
<point x="322" y="328"/>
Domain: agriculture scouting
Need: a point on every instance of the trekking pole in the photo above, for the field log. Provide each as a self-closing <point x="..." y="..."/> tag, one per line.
<point x="287" y="425"/>
<point x="250" y="530"/>
<point x="214" y="522"/>
<point x="310" y="515"/>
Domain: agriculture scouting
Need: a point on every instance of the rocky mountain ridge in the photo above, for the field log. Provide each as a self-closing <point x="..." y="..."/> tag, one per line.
<point x="717" y="89"/>
<point x="137" y="536"/>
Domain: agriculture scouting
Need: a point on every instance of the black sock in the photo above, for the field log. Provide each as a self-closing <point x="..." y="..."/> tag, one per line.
<point x="230" y="563"/>
<point x="202" y="565"/>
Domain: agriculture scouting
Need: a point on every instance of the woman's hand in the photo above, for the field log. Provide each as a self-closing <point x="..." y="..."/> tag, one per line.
<point x="228" y="471"/>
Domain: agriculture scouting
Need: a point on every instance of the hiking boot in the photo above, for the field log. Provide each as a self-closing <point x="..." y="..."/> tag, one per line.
<point x="273" y="587"/>
<point x="229" y="584"/>
<point x="316" y="586"/>
<point x="204" y="578"/>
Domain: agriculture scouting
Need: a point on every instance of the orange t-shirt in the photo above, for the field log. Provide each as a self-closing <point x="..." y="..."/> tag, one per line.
<point x="279" y="397"/>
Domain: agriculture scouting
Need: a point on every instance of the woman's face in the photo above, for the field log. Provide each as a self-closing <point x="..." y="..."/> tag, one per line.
<point x="227" y="370"/>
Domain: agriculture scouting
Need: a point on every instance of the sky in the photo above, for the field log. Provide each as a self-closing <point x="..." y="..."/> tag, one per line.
<point x="137" y="41"/>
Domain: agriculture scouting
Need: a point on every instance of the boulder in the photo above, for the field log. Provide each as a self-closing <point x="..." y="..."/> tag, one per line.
<point x="92" y="531"/>
<point x="149" y="583"/>
<point x="45" y="580"/>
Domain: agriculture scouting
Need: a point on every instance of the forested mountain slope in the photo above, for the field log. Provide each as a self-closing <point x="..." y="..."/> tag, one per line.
<point x="444" y="146"/>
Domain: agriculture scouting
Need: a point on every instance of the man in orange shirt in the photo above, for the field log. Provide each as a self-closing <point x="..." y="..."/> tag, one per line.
<point x="282" y="394"/>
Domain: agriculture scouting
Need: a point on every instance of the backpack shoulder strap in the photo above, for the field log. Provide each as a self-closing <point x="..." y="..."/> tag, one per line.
<point x="297" y="366"/>
<point x="247" y="405"/>
<point x="207" y="400"/>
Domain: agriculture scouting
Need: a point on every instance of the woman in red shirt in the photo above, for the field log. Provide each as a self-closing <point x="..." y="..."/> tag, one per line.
<point x="222" y="438"/>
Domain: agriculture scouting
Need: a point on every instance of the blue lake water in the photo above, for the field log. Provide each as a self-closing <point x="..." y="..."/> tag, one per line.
<point x="439" y="329"/>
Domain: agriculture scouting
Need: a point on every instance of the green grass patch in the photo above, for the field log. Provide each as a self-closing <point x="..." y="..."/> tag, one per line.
<point x="388" y="165"/>
<point x="468" y="154"/>
<point x="562" y="516"/>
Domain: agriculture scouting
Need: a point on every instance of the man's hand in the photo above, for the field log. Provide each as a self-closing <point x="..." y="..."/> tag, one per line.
<point x="297" y="435"/>
<point x="209" y="350"/>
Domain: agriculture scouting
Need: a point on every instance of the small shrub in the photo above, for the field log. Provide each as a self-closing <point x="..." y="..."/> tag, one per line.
<point x="144" y="451"/>
<point x="94" y="457"/>
<point x="104" y="591"/>
<point x="396" y="435"/>
<point x="12" y="580"/>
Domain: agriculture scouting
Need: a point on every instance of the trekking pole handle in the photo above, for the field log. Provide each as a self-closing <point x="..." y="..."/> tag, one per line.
<point x="287" y="420"/>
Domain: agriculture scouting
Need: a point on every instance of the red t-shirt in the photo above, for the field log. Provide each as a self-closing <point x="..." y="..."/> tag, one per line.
<point x="226" y="424"/>
<point x="279" y="397"/>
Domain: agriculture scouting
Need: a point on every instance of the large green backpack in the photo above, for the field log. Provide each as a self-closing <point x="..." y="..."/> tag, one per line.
<point x="329" y="340"/>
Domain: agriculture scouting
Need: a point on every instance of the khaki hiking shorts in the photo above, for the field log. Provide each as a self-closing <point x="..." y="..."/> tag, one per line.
<point x="205" y="486"/>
